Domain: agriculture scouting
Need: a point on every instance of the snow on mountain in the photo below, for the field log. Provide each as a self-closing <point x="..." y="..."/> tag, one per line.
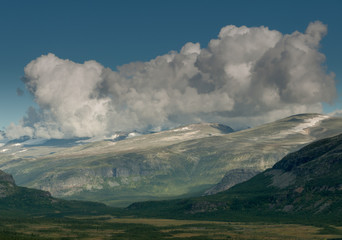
<point x="304" y="127"/>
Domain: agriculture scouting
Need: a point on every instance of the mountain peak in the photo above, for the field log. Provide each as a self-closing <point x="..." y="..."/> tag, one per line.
<point x="6" y="178"/>
<point x="7" y="185"/>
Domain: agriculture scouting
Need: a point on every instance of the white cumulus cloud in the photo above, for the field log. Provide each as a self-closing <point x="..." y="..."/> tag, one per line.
<point x="245" y="76"/>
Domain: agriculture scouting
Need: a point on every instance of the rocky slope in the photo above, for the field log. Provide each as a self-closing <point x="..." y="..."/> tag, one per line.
<point x="231" y="178"/>
<point x="311" y="179"/>
<point x="185" y="161"/>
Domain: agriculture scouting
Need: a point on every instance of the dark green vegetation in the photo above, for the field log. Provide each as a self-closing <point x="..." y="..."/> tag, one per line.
<point x="182" y="162"/>
<point x="106" y="227"/>
<point x="20" y="201"/>
<point x="304" y="187"/>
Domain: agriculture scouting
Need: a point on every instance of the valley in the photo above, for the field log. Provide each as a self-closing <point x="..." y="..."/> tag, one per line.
<point x="298" y="197"/>
<point x="106" y="227"/>
<point x="171" y="120"/>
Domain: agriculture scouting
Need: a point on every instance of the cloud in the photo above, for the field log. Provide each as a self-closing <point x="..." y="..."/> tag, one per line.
<point x="245" y="76"/>
<point x="336" y="113"/>
<point x="16" y="131"/>
<point x="20" y="92"/>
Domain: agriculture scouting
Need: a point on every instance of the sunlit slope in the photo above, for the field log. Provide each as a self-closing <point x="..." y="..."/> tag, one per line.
<point x="180" y="162"/>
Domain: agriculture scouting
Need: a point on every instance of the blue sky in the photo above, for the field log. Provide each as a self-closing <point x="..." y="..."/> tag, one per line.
<point x="114" y="33"/>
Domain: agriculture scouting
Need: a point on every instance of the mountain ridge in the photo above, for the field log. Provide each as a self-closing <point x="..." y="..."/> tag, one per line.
<point x="304" y="185"/>
<point x="185" y="161"/>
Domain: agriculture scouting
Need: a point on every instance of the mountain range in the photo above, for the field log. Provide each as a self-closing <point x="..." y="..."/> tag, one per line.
<point x="305" y="185"/>
<point x="187" y="161"/>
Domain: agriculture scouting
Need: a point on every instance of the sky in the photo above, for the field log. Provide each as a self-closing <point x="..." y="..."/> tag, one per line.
<point x="89" y="68"/>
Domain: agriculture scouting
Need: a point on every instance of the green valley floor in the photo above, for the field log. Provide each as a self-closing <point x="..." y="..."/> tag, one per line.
<point x="108" y="227"/>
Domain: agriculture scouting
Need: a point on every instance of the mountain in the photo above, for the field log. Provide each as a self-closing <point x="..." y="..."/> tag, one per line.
<point x="7" y="184"/>
<point x="310" y="178"/>
<point x="231" y="178"/>
<point x="306" y="184"/>
<point x="19" y="201"/>
<point x="181" y="162"/>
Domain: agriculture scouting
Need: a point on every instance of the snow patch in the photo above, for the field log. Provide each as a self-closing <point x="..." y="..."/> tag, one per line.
<point x="133" y="134"/>
<point x="181" y="129"/>
<point x="114" y="136"/>
<point x="184" y="136"/>
<point x="302" y="128"/>
<point x="4" y="150"/>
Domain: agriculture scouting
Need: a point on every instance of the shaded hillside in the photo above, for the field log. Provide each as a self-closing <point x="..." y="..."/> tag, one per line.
<point x="304" y="185"/>
<point x="181" y="162"/>
<point x="232" y="178"/>
<point x="18" y="201"/>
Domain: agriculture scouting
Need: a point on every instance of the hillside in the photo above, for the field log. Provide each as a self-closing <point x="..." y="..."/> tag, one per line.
<point x="20" y="201"/>
<point x="182" y="162"/>
<point x="305" y="185"/>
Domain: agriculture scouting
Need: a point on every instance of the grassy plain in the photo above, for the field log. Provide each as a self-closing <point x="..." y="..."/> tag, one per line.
<point x="108" y="227"/>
